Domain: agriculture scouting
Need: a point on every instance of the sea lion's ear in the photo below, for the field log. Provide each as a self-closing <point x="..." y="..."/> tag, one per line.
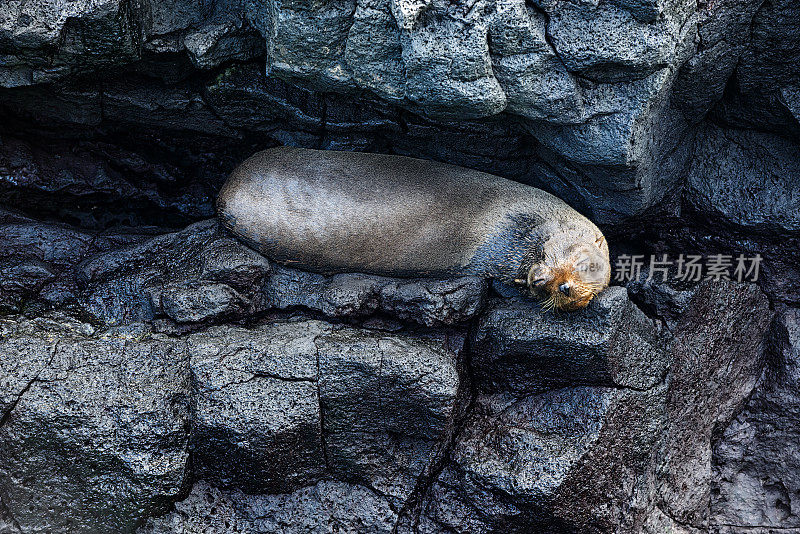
<point x="599" y="241"/>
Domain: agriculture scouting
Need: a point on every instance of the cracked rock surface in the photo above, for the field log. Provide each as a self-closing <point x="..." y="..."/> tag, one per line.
<point x="96" y="439"/>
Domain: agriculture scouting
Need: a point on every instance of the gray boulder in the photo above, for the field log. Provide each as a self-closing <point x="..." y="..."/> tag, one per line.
<point x="756" y="189"/>
<point x="320" y="509"/>
<point x="626" y="156"/>
<point x="373" y="51"/>
<point x="607" y="43"/>
<point x="520" y="348"/>
<point x="306" y="41"/>
<point x="95" y="428"/>
<point x="568" y="460"/>
<point x="755" y="462"/>
<point x="388" y="404"/>
<point x="257" y="419"/>
<point x="425" y="301"/>
<point x="195" y="275"/>
<point x="537" y="84"/>
<point x="215" y="44"/>
<point x="723" y="29"/>
<point x="284" y="405"/>
<point x="717" y="358"/>
<point x="766" y="76"/>
<point x="47" y="40"/>
<point x="446" y="55"/>
<point x="608" y="459"/>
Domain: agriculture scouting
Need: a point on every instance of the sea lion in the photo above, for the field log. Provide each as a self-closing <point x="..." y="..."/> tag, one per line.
<point x="334" y="212"/>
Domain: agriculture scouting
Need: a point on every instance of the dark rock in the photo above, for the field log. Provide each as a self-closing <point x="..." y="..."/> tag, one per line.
<point x="757" y="187"/>
<point x="663" y="296"/>
<point x="43" y="41"/>
<point x="306" y="41"/>
<point x="387" y="403"/>
<point x="765" y="74"/>
<point x="284" y="405"/>
<point x="447" y="62"/>
<point x="96" y="184"/>
<point x="627" y="156"/>
<point x="244" y="98"/>
<point x="594" y="459"/>
<point x="520" y="348"/>
<point x="201" y="274"/>
<point x="723" y="30"/>
<point x="36" y="261"/>
<point x="755" y="460"/>
<point x="717" y="357"/>
<point x="257" y="420"/>
<point x="373" y="51"/>
<point x="425" y="301"/>
<point x="319" y="509"/>
<point x="161" y="18"/>
<point x="96" y="438"/>
<point x="536" y="83"/>
<point x="166" y="107"/>
<point x="672" y="123"/>
<point x="214" y="45"/>
<point x="59" y="103"/>
<point x="568" y="460"/>
<point x="191" y="276"/>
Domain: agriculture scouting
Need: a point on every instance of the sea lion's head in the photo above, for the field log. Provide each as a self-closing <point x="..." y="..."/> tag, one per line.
<point x="573" y="271"/>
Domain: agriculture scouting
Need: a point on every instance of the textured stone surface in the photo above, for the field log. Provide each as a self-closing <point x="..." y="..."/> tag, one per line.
<point x="765" y="76"/>
<point x="322" y="508"/>
<point x="424" y="301"/>
<point x="546" y="462"/>
<point x="284" y="405"/>
<point x="45" y="40"/>
<point x="726" y="355"/>
<point x="387" y="404"/>
<point x="665" y="297"/>
<point x="595" y="459"/>
<point x="520" y="348"/>
<point x="606" y="42"/>
<point x="755" y="462"/>
<point x="33" y="255"/>
<point x="191" y="276"/>
<point x="756" y="188"/>
<point x="95" y="429"/>
<point x="202" y="274"/>
<point x="257" y="420"/>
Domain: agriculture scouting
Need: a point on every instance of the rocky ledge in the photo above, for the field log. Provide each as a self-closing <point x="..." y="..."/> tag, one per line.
<point x="189" y="384"/>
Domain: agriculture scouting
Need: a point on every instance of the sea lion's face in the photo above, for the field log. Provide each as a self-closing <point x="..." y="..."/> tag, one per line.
<point x="571" y="273"/>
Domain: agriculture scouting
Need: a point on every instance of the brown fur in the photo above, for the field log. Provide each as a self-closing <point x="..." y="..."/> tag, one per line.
<point x="334" y="212"/>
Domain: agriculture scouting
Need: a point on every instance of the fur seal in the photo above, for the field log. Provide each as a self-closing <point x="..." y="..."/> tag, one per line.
<point x="334" y="212"/>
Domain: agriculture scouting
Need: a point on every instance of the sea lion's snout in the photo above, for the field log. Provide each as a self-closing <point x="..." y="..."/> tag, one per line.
<point x="564" y="288"/>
